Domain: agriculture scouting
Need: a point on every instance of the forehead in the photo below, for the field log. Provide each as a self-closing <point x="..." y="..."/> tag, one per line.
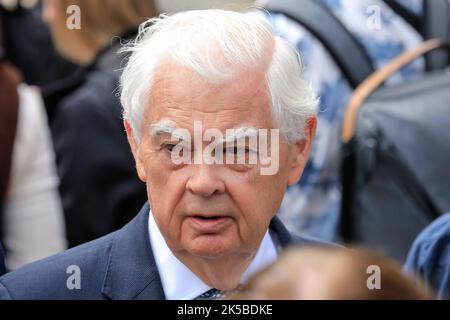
<point x="182" y="96"/>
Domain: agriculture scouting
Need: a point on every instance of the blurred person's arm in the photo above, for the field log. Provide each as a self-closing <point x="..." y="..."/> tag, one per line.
<point x="429" y="256"/>
<point x="33" y="218"/>
<point x="99" y="186"/>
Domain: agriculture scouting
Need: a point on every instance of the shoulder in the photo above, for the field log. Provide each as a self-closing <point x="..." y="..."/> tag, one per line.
<point x="93" y="108"/>
<point x="306" y="240"/>
<point x="438" y="230"/>
<point x="432" y="246"/>
<point x="429" y="256"/>
<point x="98" y="95"/>
<point x="286" y="238"/>
<point x="51" y="278"/>
<point x="312" y="242"/>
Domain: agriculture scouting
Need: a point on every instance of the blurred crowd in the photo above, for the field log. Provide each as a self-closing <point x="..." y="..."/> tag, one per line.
<point x="67" y="175"/>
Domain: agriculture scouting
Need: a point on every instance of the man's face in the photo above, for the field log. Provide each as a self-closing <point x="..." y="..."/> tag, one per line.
<point x="211" y="210"/>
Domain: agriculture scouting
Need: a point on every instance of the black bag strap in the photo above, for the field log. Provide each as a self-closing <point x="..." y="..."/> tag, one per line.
<point x="345" y="49"/>
<point x="436" y="25"/>
<point x="406" y="14"/>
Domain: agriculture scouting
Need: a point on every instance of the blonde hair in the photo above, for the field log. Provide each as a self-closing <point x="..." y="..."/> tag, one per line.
<point x="104" y="19"/>
<point x="331" y="274"/>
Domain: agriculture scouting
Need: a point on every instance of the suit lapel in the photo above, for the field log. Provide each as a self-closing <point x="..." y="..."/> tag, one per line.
<point x="282" y="234"/>
<point x="132" y="272"/>
<point x="286" y="239"/>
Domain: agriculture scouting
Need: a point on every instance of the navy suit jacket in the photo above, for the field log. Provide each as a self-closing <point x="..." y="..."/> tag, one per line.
<point x="117" y="266"/>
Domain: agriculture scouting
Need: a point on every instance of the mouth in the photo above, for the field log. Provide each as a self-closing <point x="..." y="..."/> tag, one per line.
<point x="205" y="223"/>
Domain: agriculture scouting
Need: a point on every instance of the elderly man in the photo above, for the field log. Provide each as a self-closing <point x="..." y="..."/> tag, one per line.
<point x="220" y="123"/>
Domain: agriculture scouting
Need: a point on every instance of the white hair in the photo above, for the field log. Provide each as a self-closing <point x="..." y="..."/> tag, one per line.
<point x="215" y="44"/>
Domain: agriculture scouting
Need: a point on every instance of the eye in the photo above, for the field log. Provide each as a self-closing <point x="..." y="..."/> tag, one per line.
<point x="169" y="146"/>
<point x="235" y="150"/>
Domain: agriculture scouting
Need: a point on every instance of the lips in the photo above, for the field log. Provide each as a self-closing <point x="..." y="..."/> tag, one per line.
<point x="205" y="223"/>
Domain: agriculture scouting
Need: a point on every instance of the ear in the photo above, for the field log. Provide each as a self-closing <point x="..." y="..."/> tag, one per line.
<point x="135" y="150"/>
<point x="300" y="152"/>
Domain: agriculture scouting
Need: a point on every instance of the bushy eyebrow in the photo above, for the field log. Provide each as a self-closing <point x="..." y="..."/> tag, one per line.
<point x="167" y="127"/>
<point x="239" y="133"/>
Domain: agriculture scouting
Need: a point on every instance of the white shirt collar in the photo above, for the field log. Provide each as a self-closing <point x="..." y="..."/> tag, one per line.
<point x="179" y="282"/>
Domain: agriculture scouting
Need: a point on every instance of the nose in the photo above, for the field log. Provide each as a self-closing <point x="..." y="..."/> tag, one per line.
<point x="205" y="181"/>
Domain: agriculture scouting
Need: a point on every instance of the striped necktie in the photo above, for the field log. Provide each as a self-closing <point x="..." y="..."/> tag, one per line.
<point x="215" y="294"/>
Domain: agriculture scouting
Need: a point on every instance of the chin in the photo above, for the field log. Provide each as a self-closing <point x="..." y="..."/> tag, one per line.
<point x="209" y="247"/>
